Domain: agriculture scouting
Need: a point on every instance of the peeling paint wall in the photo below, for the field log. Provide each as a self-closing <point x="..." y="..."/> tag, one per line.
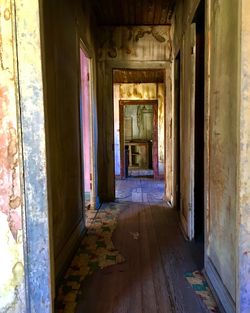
<point x="137" y="47"/>
<point x="145" y="91"/>
<point x="221" y="61"/>
<point x="25" y="284"/>
<point x="37" y="219"/>
<point x="65" y="23"/>
<point x="135" y="43"/>
<point x="12" y="297"/>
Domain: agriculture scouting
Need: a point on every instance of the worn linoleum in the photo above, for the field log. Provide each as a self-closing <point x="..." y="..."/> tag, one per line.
<point x="201" y="288"/>
<point x="95" y="252"/>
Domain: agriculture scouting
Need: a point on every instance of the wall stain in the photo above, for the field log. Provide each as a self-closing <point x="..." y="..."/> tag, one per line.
<point x="1" y="47"/>
<point x="7" y="14"/>
<point x="12" y="287"/>
<point x="14" y="218"/>
<point x="9" y="162"/>
<point x="15" y="202"/>
<point x="125" y="40"/>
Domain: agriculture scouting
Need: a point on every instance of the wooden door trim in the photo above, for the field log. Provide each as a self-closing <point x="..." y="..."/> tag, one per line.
<point x="154" y="104"/>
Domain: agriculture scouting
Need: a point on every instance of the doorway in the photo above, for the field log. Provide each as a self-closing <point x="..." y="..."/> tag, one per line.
<point x="138" y="138"/>
<point x="199" y="19"/>
<point x="191" y="127"/>
<point x="139" y="103"/>
<point x="177" y="89"/>
<point x="86" y="129"/>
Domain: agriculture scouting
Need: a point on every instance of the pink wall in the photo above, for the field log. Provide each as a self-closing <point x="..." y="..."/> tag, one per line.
<point x="85" y="102"/>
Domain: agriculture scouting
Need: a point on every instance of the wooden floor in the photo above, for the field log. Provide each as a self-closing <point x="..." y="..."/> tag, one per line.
<point x="151" y="280"/>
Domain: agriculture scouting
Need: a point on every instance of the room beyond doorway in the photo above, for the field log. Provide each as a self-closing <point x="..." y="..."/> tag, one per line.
<point x="139" y="129"/>
<point x="138" y="120"/>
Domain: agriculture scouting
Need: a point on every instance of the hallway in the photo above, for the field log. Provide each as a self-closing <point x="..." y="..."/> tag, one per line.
<point x="94" y="90"/>
<point x="149" y="275"/>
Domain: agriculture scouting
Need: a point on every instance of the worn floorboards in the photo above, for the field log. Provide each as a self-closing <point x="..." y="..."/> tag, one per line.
<point x="151" y="280"/>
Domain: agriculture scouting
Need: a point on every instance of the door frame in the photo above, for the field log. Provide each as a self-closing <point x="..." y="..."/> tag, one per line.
<point x="177" y="132"/>
<point x="199" y="120"/>
<point x="93" y="188"/>
<point x="105" y="93"/>
<point x="154" y="104"/>
<point x="188" y="64"/>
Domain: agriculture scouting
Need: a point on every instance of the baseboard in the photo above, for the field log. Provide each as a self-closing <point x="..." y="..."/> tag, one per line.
<point x="183" y="226"/>
<point x="160" y="176"/>
<point x="64" y="258"/>
<point x="98" y="203"/>
<point x="225" y="302"/>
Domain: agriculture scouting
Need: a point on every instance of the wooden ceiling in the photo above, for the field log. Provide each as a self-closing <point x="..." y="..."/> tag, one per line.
<point x="138" y="76"/>
<point x="133" y="12"/>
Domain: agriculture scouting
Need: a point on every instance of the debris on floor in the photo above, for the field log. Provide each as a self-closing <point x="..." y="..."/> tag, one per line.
<point x="95" y="252"/>
<point x="201" y="288"/>
<point x="135" y="235"/>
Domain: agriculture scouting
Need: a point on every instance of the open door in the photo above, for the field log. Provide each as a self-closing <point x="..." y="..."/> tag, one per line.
<point x="188" y="133"/>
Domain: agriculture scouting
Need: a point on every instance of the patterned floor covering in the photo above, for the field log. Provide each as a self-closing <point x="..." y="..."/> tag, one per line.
<point x="95" y="252"/>
<point x="201" y="288"/>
